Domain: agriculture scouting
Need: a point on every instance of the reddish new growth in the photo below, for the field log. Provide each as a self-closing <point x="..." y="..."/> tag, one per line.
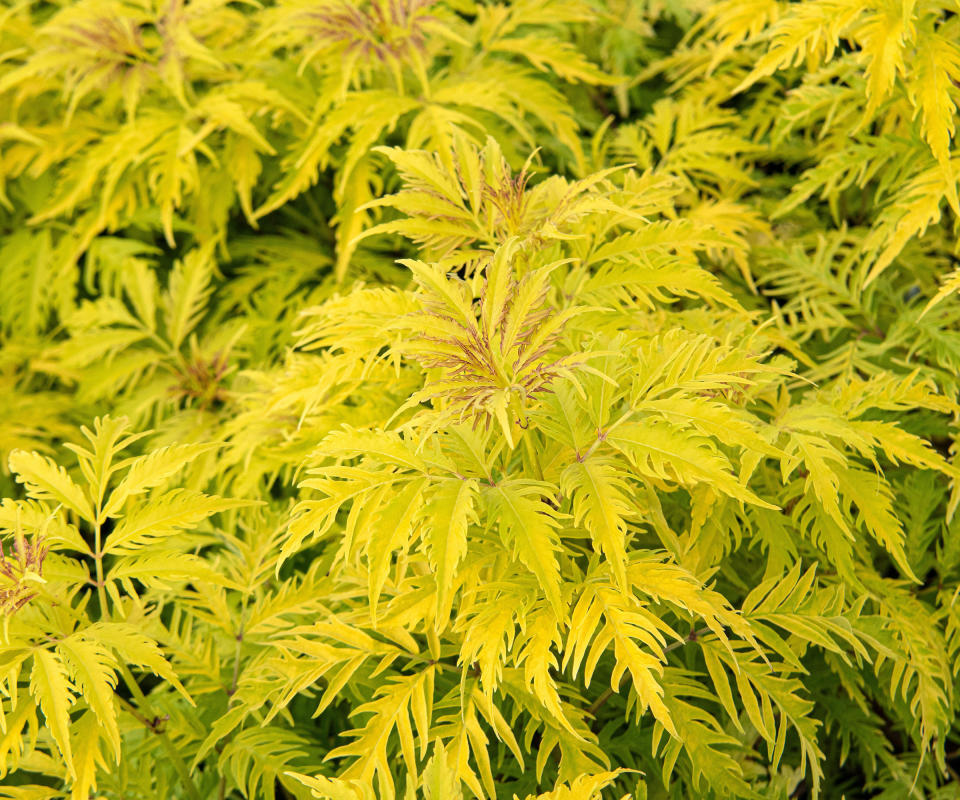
<point x="201" y="382"/>
<point x="105" y="48"/>
<point x="500" y="209"/>
<point x="509" y="197"/>
<point x="497" y="371"/>
<point x="25" y="558"/>
<point x="387" y="30"/>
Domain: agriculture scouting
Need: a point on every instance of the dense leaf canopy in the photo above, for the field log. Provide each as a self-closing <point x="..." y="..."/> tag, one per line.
<point x="450" y="399"/>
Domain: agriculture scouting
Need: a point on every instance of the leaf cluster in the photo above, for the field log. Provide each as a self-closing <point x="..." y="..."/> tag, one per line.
<point x="447" y="399"/>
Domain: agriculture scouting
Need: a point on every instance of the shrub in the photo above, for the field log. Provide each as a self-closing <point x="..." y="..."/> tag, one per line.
<point x="411" y="399"/>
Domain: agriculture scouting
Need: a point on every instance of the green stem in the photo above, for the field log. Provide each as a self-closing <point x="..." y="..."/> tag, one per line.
<point x="178" y="763"/>
<point x="535" y="466"/>
<point x="98" y="563"/>
<point x="602" y="436"/>
<point x="238" y="639"/>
